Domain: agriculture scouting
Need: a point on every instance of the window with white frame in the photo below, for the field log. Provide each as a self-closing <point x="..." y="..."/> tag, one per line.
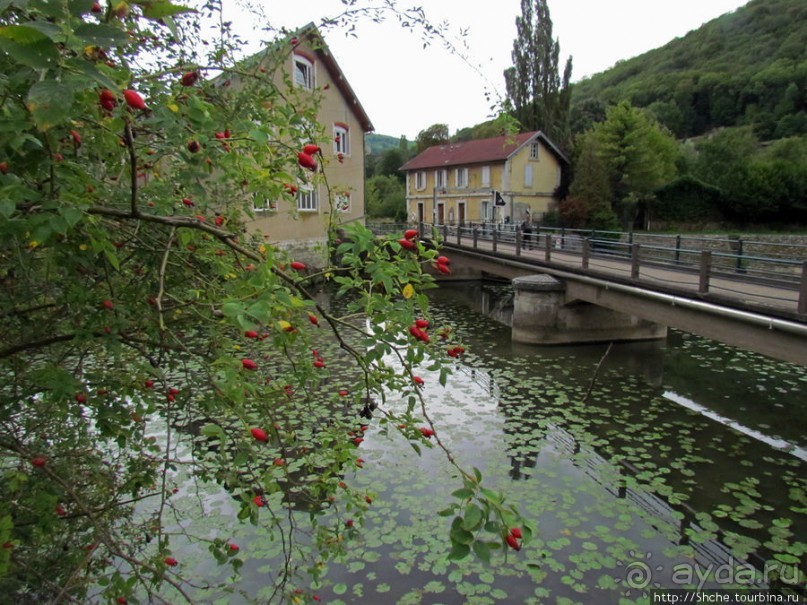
<point x="420" y="180"/>
<point x="260" y="203"/>
<point x="486" y="176"/>
<point x="303" y="72"/>
<point x="534" y="151"/>
<point x="485" y="213"/>
<point x="307" y="199"/>
<point x="461" y="177"/>
<point x="341" y="139"/>
<point x="528" y="176"/>
<point x="441" y="178"/>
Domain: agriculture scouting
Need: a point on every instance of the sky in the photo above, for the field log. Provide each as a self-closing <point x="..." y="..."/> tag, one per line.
<point x="405" y="88"/>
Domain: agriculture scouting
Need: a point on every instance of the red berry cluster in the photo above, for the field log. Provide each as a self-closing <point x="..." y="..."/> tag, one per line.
<point x="513" y="538"/>
<point x="418" y="330"/>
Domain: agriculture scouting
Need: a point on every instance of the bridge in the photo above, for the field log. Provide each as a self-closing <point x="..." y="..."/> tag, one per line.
<point x="630" y="287"/>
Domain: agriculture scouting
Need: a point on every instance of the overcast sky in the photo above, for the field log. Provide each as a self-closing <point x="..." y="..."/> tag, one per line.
<point x="405" y="88"/>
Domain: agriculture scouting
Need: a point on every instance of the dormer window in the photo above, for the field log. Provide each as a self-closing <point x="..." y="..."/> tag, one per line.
<point x="303" y="72"/>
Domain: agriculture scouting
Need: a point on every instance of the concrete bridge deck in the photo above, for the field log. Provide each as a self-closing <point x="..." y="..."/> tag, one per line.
<point x="749" y="313"/>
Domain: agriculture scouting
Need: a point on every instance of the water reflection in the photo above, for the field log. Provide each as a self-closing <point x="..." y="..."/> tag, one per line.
<point x="622" y="477"/>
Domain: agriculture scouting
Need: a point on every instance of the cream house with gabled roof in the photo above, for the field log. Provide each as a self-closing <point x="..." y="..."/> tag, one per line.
<point x="310" y="73"/>
<point x="499" y="179"/>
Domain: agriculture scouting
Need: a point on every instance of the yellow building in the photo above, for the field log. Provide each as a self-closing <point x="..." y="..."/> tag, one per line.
<point x="310" y="74"/>
<point x="500" y="179"/>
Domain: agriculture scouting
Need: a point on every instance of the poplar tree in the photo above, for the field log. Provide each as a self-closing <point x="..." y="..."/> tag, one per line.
<point x="537" y="95"/>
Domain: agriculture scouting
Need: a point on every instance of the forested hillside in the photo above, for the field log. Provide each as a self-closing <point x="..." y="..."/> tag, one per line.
<point x="707" y="131"/>
<point x="746" y="68"/>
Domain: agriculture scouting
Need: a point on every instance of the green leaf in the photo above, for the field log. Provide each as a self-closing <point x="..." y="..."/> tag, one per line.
<point x="101" y="34"/>
<point x="159" y="9"/>
<point x="459" y="552"/>
<point x="462" y="493"/>
<point x="482" y="550"/>
<point x="459" y="534"/>
<point x="28" y="46"/>
<point x="86" y="75"/>
<point x="7" y="207"/>
<point x="212" y="430"/>
<point x="50" y="30"/>
<point x="340" y="588"/>
<point x="50" y="103"/>
<point x="472" y="518"/>
<point x="112" y="258"/>
<point x="21" y="4"/>
<point x="231" y="309"/>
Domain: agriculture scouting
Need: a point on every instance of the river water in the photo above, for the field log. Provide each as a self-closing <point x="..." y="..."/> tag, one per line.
<point x="667" y="465"/>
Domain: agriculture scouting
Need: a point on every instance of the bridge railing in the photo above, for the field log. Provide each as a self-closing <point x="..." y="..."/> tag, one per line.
<point x="781" y="264"/>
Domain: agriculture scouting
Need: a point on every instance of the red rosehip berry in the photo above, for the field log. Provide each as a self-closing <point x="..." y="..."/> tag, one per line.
<point x="248" y="364"/>
<point x="107" y="99"/>
<point x="133" y="99"/>
<point x="407" y="244"/>
<point x="259" y="434"/>
<point x="306" y="161"/>
<point x="39" y="461"/>
<point x="513" y="542"/>
<point x="189" y="78"/>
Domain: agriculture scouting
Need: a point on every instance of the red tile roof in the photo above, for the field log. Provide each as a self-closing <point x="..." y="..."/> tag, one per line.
<point x="496" y="149"/>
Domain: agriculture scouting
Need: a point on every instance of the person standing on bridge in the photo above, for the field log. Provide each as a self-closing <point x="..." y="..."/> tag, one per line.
<point x="526" y="230"/>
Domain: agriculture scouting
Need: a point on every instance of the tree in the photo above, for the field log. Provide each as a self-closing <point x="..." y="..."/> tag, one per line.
<point x="386" y="197"/>
<point x="589" y="201"/>
<point x="149" y="338"/>
<point x="390" y="163"/>
<point x="640" y="157"/>
<point x="503" y="124"/>
<point x="436" y="134"/>
<point x="722" y="160"/>
<point x="536" y="95"/>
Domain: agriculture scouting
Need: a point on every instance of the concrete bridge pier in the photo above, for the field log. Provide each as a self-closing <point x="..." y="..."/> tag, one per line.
<point x="543" y="315"/>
